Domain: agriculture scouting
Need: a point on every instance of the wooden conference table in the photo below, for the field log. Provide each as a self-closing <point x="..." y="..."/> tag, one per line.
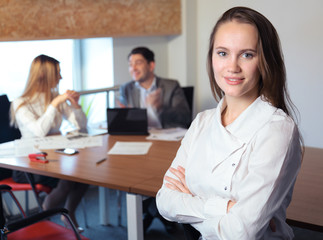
<point x="142" y="175"/>
<point x="306" y="210"/>
<point x="135" y="174"/>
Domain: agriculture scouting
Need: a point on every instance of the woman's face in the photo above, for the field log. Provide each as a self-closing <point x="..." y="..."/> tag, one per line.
<point x="235" y="60"/>
<point x="59" y="76"/>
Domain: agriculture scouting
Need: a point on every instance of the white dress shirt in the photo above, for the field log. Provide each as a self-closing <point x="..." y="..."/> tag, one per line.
<point x="253" y="161"/>
<point x="152" y="115"/>
<point x="34" y="121"/>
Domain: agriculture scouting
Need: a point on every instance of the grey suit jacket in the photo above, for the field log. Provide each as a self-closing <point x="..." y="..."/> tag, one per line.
<point x="175" y="111"/>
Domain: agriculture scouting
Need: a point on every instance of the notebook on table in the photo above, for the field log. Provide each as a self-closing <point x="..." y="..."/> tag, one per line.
<point x="127" y="121"/>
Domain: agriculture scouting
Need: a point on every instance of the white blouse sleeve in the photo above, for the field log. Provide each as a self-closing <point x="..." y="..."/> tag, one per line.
<point x="36" y="127"/>
<point x="177" y="206"/>
<point x="76" y="116"/>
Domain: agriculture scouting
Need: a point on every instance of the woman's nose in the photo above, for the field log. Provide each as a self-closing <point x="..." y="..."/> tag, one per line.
<point x="233" y="65"/>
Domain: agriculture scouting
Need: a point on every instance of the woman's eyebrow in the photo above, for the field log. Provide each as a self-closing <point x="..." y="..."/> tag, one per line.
<point x="240" y="51"/>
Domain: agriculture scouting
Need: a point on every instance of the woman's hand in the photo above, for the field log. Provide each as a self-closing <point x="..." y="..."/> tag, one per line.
<point x="230" y="205"/>
<point x="178" y="184"/>
<point x="70" y="95"/>
<point x="73" y="97"/>
<point x="272" y="223"/>
<point x="58" y="100"/>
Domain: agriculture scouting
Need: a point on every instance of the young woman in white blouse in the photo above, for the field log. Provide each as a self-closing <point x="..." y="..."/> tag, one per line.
<point x="39" y="112"/>
<point x="233" y="176"/>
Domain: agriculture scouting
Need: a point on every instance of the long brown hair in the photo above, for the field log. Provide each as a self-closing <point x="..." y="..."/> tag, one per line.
<point x="272" y="82"/>
<point x="44" y="75"/>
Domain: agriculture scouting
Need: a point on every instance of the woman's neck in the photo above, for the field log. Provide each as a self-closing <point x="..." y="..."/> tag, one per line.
<point x="233" y="109"/>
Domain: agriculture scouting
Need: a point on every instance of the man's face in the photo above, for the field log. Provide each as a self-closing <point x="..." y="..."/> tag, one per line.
<point x="139" y="69"/>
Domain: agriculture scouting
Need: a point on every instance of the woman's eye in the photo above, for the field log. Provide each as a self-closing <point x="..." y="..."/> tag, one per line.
<point x="247" y="55"/>
<point x="222" y="54"/>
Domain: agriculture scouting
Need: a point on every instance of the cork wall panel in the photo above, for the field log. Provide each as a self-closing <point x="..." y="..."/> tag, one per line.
<point x="48" y="19"/>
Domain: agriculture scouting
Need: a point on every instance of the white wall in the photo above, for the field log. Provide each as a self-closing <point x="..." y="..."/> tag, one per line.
<point x="183" y="57"/>
<point x="122" y="47"/>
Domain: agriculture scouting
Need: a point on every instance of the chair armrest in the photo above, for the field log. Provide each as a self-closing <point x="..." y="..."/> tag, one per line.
<point x="4" y="187"/>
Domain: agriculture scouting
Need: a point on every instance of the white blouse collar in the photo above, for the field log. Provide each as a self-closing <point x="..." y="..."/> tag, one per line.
<point x="250" y="120"/>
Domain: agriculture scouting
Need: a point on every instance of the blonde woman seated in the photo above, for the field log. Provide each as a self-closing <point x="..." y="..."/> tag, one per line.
<point x="39" y="112"/>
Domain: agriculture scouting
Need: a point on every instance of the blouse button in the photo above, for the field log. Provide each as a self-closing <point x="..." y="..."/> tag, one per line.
<point x="233" y="164"/>
<point x="225" y="188"/>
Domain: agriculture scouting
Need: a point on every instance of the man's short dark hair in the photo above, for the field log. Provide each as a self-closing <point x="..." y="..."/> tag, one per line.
<point x="145" y="52"/>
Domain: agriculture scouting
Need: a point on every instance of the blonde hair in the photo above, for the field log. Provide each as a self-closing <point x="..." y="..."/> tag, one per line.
<point x="44" y="76"/>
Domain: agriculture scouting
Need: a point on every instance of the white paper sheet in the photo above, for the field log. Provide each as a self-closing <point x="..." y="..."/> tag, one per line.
<point x="75" y="141"/>
<point x="17" y="148"/>
<point x="7" y="149"/>
<point x="169" y="134"/>
<point x="23" y="147"/>
<point x="130" y="148"/>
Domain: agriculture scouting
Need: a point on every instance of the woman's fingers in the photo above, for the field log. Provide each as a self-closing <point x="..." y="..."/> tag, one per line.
<point x="73" y="94"/>
<point x="180" y="183"/>
<point x="59" y="99"/>
<point x="174" y="182"/>
<point x="177" y="184"/>
<point x="73" y="97"/>
<point x="171" y="186"/>
<point x="181" y="169"/>
<point x="178" y="174"/>
<point x="230" y="205"/>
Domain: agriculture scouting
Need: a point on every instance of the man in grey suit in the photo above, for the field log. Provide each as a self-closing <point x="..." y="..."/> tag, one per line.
<point x="165" y="103"/>
<point x="164" y="99"/>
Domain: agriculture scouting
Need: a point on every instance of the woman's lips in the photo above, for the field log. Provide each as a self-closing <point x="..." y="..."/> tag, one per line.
<point x="233" y="80"/>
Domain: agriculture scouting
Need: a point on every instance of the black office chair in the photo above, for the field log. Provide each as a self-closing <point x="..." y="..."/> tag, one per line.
<point x="7" y="132"/>
<point x="189" y="94"/>
<point x="190" y="232"/>
<point x="37" y="226"/>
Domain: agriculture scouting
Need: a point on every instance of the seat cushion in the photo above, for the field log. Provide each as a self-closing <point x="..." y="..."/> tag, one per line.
<point x="24" y="186"/>
<point x="44" y="230"/>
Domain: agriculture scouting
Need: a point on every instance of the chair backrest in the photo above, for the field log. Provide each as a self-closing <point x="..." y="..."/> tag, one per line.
<point x="2" y="217"/>
<point x="7" y="132"/>
<point x="189" y="94"/>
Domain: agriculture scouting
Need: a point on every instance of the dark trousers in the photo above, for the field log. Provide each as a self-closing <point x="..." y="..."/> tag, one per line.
<point x="190" y="232"/>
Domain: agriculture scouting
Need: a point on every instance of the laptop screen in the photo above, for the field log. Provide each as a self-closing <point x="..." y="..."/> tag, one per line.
<point x="127" y="121"/>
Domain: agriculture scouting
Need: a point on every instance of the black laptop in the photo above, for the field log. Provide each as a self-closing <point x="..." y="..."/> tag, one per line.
<point x="127" y="121"/>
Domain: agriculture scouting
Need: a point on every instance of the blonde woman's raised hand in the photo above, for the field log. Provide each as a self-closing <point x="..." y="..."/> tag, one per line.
<point x="59" y="100"/>
<point x="179" y="183"/>
<point x="73" y="97"/>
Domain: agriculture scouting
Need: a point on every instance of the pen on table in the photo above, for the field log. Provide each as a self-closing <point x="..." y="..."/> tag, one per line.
<point x="101" y="160"/>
